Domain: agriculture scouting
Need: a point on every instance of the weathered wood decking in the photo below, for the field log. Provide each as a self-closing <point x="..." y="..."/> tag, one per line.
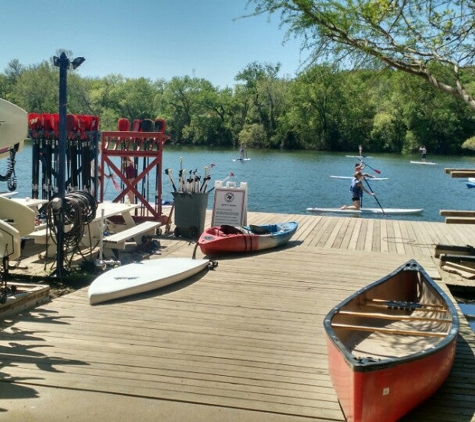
<point x="242" y="342"/>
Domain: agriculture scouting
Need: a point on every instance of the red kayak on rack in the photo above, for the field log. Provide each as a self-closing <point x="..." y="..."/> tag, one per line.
<point x="224" y="238"/>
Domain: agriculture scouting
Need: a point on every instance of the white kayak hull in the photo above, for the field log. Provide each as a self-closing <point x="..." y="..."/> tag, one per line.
<point x="142" y="277"/>
<point x="367" y="211"/>
<point x="13" y="127"/>
<point x="428" y="163"/>
<point x="373" y="179"/>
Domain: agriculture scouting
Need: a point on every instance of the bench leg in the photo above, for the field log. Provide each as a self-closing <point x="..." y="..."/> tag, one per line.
<point x="116" y="254"/>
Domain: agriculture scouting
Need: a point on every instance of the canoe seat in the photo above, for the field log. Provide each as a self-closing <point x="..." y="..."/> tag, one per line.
<point x="258" y="229"/>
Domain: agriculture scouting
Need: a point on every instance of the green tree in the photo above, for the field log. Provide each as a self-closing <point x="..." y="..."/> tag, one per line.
<point x="431" y="39"/>
<point x="12" y="72"/>
<point x="325" y="109"/>
<point x="260" y="97"/>
<point x="210" y="117"/>
<point x="37" y="88"/>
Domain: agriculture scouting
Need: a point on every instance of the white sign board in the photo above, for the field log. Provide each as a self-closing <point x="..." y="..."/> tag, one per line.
<point x="230" y="205"/>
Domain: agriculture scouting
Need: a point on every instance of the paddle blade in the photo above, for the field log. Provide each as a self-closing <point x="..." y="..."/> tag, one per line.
<point x="377" y="171"/>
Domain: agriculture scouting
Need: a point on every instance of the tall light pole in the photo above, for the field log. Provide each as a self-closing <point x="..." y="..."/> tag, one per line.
<point x="64" y="64"/>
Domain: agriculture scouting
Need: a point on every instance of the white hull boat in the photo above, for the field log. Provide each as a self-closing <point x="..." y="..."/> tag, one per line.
<point x="13" y="127"/>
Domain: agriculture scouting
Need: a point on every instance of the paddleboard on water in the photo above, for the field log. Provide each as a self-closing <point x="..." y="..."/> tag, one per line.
<point x="359" y="157"/>
<point x="376" y="179"/>
<point x="429" y="163"/>
<point x="143" y="276"/>
<point x="242" y="159"/>
<point x="13" y="126"/>
<point x="367" y="211"/>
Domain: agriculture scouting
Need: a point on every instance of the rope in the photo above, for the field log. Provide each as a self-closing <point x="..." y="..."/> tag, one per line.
<point x="79" y="209"/>
<point x="10" y="175"/>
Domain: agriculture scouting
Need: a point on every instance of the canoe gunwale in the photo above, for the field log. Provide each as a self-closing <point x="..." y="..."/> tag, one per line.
<point x="365" y="365"/>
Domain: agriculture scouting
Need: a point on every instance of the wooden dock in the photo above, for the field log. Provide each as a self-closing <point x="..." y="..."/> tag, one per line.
<point x="243" y="342"/>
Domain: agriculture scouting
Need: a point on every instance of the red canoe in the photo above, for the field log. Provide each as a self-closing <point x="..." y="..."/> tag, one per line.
<point x="391" y="345"/>
<point x="223" y="239"/>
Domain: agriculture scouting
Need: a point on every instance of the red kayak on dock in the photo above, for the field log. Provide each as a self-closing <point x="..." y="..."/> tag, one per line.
<point x="391" y="345"/>
<point x="224" y="238"/>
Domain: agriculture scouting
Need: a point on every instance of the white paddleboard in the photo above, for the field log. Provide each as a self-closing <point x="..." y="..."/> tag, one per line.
<point x="13" y="126"/>
<point x="368" y="211"/>
<point x="429" y="163"/>
<point x="142" y="277"/>
<point x="242" y="159"/>
<point x="369" y="178"/>
<point x="359" y="157"/>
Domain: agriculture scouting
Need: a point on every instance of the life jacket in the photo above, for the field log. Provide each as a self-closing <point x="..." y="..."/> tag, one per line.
<point x="355" y="188"/>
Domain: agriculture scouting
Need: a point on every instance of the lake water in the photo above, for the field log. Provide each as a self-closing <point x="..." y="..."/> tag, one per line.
<point x="290" y="182"/>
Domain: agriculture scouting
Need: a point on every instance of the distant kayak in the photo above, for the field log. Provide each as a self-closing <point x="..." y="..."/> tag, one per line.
<point x="369" y="178"/>
<point x="429" y="163"/>
<point x="367" y="211"/>
<point x="470" y="185"/>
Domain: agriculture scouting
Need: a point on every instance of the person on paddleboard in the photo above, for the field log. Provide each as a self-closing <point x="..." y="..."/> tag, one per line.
<point x="242" y="152"/>
<point x="423" y="152"/>
<point x="357" y="189"/>
<point x="359" y="168"/>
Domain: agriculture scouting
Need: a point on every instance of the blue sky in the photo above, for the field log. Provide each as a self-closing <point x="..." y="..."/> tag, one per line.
<point x="151" y="38"/>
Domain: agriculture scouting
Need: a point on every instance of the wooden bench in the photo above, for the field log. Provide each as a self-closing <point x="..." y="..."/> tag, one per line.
<point x="39" y="236"/>
<point x="458" y="216"/>
<point x="460" y="173"/>
<point x="115" y="241"/>
<point x="459" y="220"/>
<point x="457" y="213"/>
<point x="118" y="240"/>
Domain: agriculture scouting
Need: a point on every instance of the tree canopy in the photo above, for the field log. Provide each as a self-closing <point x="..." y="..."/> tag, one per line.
<point x="431" y="39"/>
<point x="325" y="107"/>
